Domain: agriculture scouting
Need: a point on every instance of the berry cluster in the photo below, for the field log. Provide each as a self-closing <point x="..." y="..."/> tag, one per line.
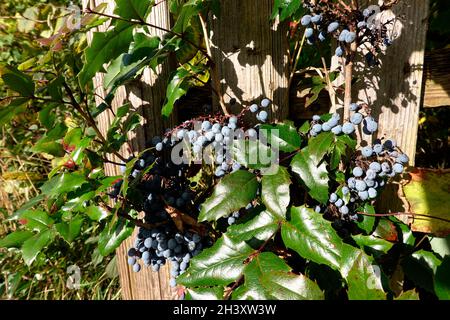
<point x="369" y="125"/>
<point x="327" y="18"/>
<point x="161" y="186"/>
<point x="157" y="246"/>
<point x="374" y="165"/>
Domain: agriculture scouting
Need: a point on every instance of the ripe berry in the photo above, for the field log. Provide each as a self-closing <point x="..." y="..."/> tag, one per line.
<point x="332" y="27"/>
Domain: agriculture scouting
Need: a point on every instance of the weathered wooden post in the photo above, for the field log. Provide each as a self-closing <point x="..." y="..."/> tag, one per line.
<point x="251" y="55"/>
<point x="146" y="96"/>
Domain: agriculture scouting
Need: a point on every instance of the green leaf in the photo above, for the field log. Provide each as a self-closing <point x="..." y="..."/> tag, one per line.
<point x="363" y="281"/>
<point x="232" y="193"/>
<point x="176" y="88"/>
<point x="96" y="213"/>
<point x="282" y="135"/>
<point x="71" y="229"/>
<point x="441" y="246"/>
<point x="62" y="183"/>
<point x="442" y="279"/>
<point x="367" y="223"/>
<point x="253" y="154"/>
<point x="420" y="268"/>
<point x="105" y="47"/>
<point x="188" y="11"/>
<point x="408" y="295"/>
<point x="133" y="9"/>
<point x="221" y="264"/>
<point x="313" y="238"/>
<point x="114" y="233"/>
<point x="15" y="107"/>
<point x="15" y="239"/>
<point x="319" y="146"/>
<point x="275" y="192"/>
<point x="37" y="220"/>
<point x="313" y="176"/>
<point x="372" y="242"/>
<point x="211" y="293"/>
<point x="18" y="81"/>
<point x="262" y="227"/>
<point x="34" y="245"/>
<point x="268" y="277"/>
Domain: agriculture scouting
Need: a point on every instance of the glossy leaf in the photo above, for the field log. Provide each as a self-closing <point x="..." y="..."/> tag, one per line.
<point x="221" y="264"/>
<point x="262" y="227"/>
<point x="313" y="238"/>
<point x="253" y="154"/>
<point x="15" y="239"/>
<point x="364" y="280"/>
<point x="283" y="136"/>
<point x="113" y="235"/>
<point x="133" y="9"/>
<point x="176" y="88"/>
<point x="373" y="243"/>
<point x="367" y="223"/>
<point x="319" y="146"/>
<point x="210" y="293"/>
<point x="442" y="279"/>
<point x="268" y="277"/>
<point x="36" y="220"/>
<point x="69" y="230"/>
<point x="225" y="199"/>
<point x="315" y="177"/>
<point x="105" y="47"/>
<point x="33" y="246"/>
<point x="62" y="183"/>
<point x="17" y="81"/>
<point x="275" y="192"/>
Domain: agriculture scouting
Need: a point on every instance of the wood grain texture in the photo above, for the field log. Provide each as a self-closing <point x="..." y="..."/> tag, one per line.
<point x="251" y="55"/>
<point x="437" y="78"/>
<point x="394" y="89"/>
<point x="146" y="95"/>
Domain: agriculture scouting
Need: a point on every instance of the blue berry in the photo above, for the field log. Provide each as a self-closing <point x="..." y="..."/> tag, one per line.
<point x="358" y="172"/>
<point x="131" y="260"/>
<point x="136" y="267"/>
<point x="348" y="128"/>
<point x="398" y="168"/>
<point x="265" y="103"/>
<point x="173" y="282"/>
<point x="372" y="193"/>
<point x="356" y="118"/>
<point x="350" y="37"/>
<point x="263" y="115"/>
<point x="231" y="220"/>
<point x="316" y="117"/>
<point x="370" y="174"/>
<point x="363" y="195"/>
<point x="343" y="35"/>
<point x="332" y="27"/>
<point x="362" y="24"/>
<point x="333" y="197"/>
<point x="378" y="148"/>
<point x="344" y="210"/>
<point x="309" y="32"/>
<point x="402" y="158"/>
<point x="345" y="190"/>
<point x="326" y="127"/>
<point x="354" y="107"/>
<point x="367" y="152"/>
<point x="339" y="203"/>
<point x="375" y="166"/>
<point x="305" y="20"/>
<point x="317" y="128"/>
<point x="322" y="36"/>
<point x="360" y="185"/>
<point x="339" y="52"/>
<point x="337" y="130"/>
<point x="316" y="19"/>
<point x="254" y="108"/>
<point x="370" y="126"/>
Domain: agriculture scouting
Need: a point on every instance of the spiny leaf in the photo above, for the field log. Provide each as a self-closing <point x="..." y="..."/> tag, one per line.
<point x="225" y="198"/>
<point x="269" y="277"/>
<point x="221" y="264"/>
<point x="275" y="191"/>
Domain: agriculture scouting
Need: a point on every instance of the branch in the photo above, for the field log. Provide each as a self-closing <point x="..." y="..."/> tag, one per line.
<point x="144" y="23"/>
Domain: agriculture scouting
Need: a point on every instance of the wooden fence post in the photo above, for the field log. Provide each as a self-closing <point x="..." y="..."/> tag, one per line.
<point x="251" y="55"/>
<point x="146" y="96"/>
